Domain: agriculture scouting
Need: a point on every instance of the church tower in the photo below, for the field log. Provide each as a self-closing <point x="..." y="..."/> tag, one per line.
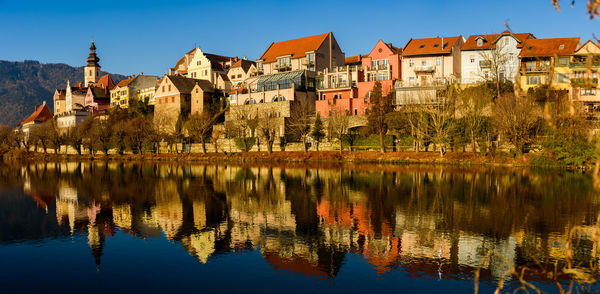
<point x="92" y="69"/>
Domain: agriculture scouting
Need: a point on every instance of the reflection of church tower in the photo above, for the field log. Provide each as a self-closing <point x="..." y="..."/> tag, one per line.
<point x="96" y="241"/>
<point x="92" y="69"/>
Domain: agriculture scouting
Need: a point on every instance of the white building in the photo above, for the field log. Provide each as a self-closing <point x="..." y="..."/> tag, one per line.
<point x="476" y="51"/>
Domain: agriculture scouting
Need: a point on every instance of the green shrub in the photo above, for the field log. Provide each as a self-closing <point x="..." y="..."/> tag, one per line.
<point x="245" y="144"/>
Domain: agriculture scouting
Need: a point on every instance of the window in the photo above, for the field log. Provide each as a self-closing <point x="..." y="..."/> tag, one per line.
<point x="196" y="90"/>
<point x="340" y="95"/>
<point x="311" y="57"/>
<point x="562" y="78"/>
<point x="411" y="81"/>
<point x="479" y="42"/>
<point x="355" y="111"/>
<point x="383" y="76"/>
<point x="588" y="92"/>
<point x="173" y="99"/>
<point x="411" y="62"/>
<point x="385" y="62"/>
<point x="197" y="101"/>
<point x="260" y="66"/>
<point x="563" y="61"/>
<point x="424" y="63"/>
<point x="438" y="61"/>
<point x="534" y="80"/>
<point x="163" y="88"/>
<point x="169" y="87"/>
<point x="472" y="58"/>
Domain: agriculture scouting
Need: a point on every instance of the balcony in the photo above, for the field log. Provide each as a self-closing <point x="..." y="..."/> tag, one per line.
<point x="379" y="67"/>
<point x="582" y="82"/>
<point x="425" y="68"/>
<point x="308" y="62"/>
<point x="536" y="69"/>
<point x="485" y="63"/>
<point x="283" y="67"/>
<point x="340" y="85"/>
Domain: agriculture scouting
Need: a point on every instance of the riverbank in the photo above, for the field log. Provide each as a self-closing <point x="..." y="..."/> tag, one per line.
<point x="347" y="157"/>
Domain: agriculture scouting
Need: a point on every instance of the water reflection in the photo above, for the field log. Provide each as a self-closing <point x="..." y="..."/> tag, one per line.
<point x="436" y="222"/>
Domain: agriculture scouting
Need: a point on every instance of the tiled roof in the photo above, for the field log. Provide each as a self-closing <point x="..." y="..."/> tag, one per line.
<point x="489" y="41"/>
<point x="244" y="64"/>
<point x="106" y="81"/>
<point x="430" y="46"/>
<point x="181" y="61"/>
<point x="185" y="85"/>
<point x="217" y="61"/>
<point x="549" y="47"/>
<point x="41" y="114"/>
<point x="353" y="59"/>
<point x="98" y="92"/>
<point x="296" y="47"/>
<point x="125" y="82"/>
<point x="224" y="77"/>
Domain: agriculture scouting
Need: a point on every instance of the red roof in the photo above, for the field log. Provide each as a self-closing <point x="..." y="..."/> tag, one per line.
<point x="41" y="114"/>
<point x="355" y="59"/>
<point x="244" y="64"/>
<point x="106" y="81"/>
<point x="125" y="82"/>
<point x="296" y="47"/>
<point x="549" y="47"/>
<point x="430" y="46"/>
<point x="489" y="41"/>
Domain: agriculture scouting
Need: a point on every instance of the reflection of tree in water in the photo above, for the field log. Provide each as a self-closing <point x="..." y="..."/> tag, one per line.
<point x="434" y="221"/>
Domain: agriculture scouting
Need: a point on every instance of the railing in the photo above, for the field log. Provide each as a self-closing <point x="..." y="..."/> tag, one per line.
<point x="308" y="62"/>
<point x="379" y="67"/>
<point x="583" y="81"/>
<point x="336" y="85"/>
<point x="425" y="68"/>
<point x="536" y="69"/>
<point x="583" y="64"/>
<point x="282" y="66"/>
<point x="346" y="68"/>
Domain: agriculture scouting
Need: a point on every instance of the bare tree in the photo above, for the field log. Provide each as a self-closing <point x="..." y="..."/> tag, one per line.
<point x="338" y="126"/>
<point x="268" y="127"/>
<point x="495" y="60"/>
<point x="317" y="133"/>
<point x="379" y="108"/>
<point x="103" y="132"/>
<point x="199" y="126"/>
<point x="518" y="119"/>
<point x="418" y="121"/>
<point x="300" y="121"/>
<point x="439" y="119"/>
<point x="472" y="105"/>
<point x="7" y="136"/>
<point x="40" y="134"/>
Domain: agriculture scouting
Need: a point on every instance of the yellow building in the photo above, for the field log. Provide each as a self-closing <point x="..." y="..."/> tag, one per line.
<point x="585" y="65"/>
<point x="137" y="87"/>
<point x="546" y="62"/>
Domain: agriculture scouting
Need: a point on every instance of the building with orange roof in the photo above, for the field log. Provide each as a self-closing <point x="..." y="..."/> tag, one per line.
<point x="546" y="62"/>
<point x="427" y="66"/>
<point x="313" y="53"/>
<point x="59" y="100"/>
<point x="141" y="88"/>
<point x="584" y="68"/>
<point x="478" y="51"/>
<point x="41" y="114"/>
<point x="240" y="71"/>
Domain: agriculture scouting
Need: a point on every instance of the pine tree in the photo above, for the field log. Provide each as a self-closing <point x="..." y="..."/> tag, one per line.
<point x="317" y="132"/>
<point x="380" y="106"/>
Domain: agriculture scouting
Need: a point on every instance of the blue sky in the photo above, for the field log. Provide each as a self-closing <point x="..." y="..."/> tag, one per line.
<point x="149" y="36"/>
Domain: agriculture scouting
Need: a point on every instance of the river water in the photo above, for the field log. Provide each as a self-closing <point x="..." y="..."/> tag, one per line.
<point x="156" y="228"/>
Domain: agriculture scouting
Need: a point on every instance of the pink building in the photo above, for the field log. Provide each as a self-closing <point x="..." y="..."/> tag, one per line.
<point x="383" y="64"/>
<point x="337" y="89"/>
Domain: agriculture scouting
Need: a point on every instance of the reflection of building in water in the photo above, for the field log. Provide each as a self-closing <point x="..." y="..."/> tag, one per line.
<point x="201" y="244"/>
<point x="169" y="208"/>
<point x="122" y="216"/>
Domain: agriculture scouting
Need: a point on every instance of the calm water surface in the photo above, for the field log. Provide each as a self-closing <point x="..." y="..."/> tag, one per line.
<point x="155" y="228"/>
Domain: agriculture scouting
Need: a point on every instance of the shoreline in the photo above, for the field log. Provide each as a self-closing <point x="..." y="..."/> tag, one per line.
<point x="465" y="159"/>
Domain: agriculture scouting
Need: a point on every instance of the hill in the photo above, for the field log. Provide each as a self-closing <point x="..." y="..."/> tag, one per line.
<point x="27" y="83"/>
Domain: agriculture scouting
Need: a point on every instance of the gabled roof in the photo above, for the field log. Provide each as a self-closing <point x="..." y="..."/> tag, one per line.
<point x="182" y="60"/>
<point x="297" y="48"/>
<point x="218" y="61"/>
<point x="549" y="47"/>
<point x="61" y="93"/>
<point x="42" y="113"/>
<point x="185" y="85"/>
<point x="489" y="41"/>
<point x="125" y="82"/>
<point x="585" y="48"/>
<point x="106" y="81"/>
<point x="98" y="92"/>
<point x="224" y="77"/>
<point x="354" y="59"/>
<point x="430" y="46"/>
<point x="244" y="64"/>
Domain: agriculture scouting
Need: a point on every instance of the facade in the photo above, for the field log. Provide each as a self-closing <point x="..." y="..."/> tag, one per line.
<point x="546" y="62"/>
<point x="197" y="64"/>
<point x="172" y="99"/>
<point x="314" y="53"/>
<point x="59" y="100"/>
<point x="241" y="71"/>
<point x="139" y="87"/>
<point x="337" y="89"/>
<point x="201" y="96"/>
<point x="383" y="65"/>
<point x="478" y="51"/>
<point x="584" y="68"/>
<point x="428" y="65"/>
<point x="98" y="95"/>
<point x="431" y="61"/>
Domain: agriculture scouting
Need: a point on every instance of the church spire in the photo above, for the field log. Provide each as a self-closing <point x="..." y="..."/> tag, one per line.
<point x="93" y="59"/>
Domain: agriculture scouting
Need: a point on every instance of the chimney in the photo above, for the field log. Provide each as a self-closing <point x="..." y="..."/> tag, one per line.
<point x="35" y="107"/>
<point x="44" y="103"/>
<point x="245" y="57"/>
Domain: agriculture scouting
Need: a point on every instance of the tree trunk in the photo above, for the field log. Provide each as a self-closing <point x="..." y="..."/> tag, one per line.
<point x="341" y="145"/>
<point x="304" y="142"/>
<point x="381" y="144"/>
<point x="270" y="146"/>
<point x="473" y="142"/>
<point x="203" y="144"/>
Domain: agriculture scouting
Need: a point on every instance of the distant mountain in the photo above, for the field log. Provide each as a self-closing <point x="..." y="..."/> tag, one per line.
<point x="27" y="83"/>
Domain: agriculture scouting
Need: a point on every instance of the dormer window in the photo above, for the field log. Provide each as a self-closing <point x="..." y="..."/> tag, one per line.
<point x="422" y="46"/>
<point x="561" y="47"/>
<point x="479" y="42"/>
<point x="260" y="66"/>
